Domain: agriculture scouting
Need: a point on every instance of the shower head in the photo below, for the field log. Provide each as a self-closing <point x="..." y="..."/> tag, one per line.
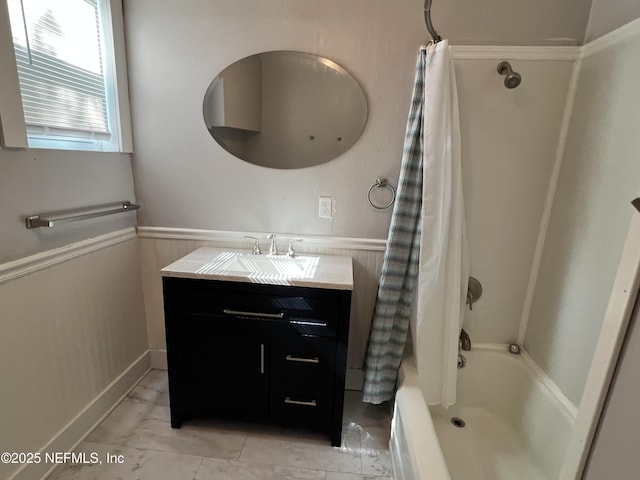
<point x="512" y="79"/>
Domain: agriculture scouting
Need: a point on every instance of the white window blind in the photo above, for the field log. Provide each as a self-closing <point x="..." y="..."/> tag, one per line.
<point x="61" y="67"/>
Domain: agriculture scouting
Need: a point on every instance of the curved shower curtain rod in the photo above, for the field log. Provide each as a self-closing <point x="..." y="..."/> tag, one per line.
<point x="427" y="19"/>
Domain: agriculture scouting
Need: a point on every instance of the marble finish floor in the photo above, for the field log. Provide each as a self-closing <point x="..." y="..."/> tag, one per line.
<point x="138" y="437"/>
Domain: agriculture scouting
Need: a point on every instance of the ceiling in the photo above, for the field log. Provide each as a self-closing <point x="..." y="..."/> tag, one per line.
<point x="512" y="22"/>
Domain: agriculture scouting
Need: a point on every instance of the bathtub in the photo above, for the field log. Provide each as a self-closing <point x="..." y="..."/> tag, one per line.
<point x="517" y="423"/>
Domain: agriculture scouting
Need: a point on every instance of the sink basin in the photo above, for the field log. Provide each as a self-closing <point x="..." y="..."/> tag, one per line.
<point x="261" y="266"/>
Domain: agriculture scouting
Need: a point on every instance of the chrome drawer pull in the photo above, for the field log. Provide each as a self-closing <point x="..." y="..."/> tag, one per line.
<point x="314" y="324"/>
<point x="253" y="314"/>
<point x="310" y="403"/>
<point x="291" y="358"/>
<point x="262" y="359"/>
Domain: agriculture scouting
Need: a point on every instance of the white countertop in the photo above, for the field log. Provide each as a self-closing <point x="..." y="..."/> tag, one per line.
<point x="303" y="270"/>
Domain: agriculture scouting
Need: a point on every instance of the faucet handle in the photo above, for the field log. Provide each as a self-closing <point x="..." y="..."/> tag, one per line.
<point x="290" y="251"/>
<point x="256" y="246"/>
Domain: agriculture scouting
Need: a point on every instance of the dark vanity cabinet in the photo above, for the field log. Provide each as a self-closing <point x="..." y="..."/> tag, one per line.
<point x="257" y="352"/>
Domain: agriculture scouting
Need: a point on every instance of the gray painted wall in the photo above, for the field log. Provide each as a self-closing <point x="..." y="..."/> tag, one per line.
<point x="591" y="212"/>
<point x="39" y="181"/>
<point x="607" y="15"/>
<point x="189" y="181"/>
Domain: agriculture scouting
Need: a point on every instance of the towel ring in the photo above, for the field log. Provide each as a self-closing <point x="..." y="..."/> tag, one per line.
<point x="382" y="183"/>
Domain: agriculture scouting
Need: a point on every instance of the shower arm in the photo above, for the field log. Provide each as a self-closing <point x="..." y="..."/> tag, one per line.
<point x="427" y="19"/>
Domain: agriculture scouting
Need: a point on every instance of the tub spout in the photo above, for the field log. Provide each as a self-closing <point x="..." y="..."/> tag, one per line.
<point x="465" y="341"/>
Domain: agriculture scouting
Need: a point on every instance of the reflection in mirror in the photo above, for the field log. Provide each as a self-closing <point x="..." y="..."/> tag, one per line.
<point x="285" y="109"/>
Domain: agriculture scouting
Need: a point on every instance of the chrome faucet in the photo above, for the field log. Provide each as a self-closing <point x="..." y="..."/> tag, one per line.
<point x="465" y="341"/>
<point x="273" y="249"/>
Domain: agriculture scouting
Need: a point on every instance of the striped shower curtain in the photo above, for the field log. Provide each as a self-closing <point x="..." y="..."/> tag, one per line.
<point x="400" y="264"/>
<point x="426" y="246"/>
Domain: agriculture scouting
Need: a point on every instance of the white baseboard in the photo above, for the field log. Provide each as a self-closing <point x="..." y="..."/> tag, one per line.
<point x="354" y="379"/>
<point x="159" y="359"/>
<point x="83" y="423"/>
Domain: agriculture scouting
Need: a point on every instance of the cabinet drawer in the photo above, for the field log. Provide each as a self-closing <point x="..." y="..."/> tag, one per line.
<point x="302" y="402"/>
<point x="300" y="356"/>
<point x="306" y="314"/>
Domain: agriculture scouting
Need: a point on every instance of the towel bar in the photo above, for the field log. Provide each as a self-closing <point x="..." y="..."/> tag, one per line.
<point x="37" y="221"/>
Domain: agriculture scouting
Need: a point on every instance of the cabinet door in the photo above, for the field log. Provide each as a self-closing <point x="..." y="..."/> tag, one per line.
<point x="222" y="368"/>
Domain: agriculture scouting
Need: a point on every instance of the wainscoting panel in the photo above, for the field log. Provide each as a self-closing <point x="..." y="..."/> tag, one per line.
<point x="73" y="342"/>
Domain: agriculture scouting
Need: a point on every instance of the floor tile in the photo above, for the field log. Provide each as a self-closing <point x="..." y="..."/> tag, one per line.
<point x="375" y="451"/>
<point x="121" y="424"/>
<point x="365" y="414"/>
<point x="212" y="469"/>
<point x="137" y="465"/>
<point x="155" y="433"/>
<point x="351" y="438"/>
<point x="146" y="426"/>
<point x="153" y="388"/>
<point x="209" y="449"/>
<point x="377" y="465"/>
<point x="300" y="454"/>
<point x="374" y="440"/>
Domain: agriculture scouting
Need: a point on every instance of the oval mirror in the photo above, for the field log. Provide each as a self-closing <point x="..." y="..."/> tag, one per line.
<point x="285" y="109"/>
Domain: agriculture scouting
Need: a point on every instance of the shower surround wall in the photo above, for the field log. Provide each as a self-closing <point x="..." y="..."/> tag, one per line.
<point x="509" y="142"/>
<point x="195" y="193"/>
<point x="591" y="213"/>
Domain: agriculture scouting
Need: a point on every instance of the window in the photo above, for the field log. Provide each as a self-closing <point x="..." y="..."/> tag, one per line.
<point x="66" y="69"/>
